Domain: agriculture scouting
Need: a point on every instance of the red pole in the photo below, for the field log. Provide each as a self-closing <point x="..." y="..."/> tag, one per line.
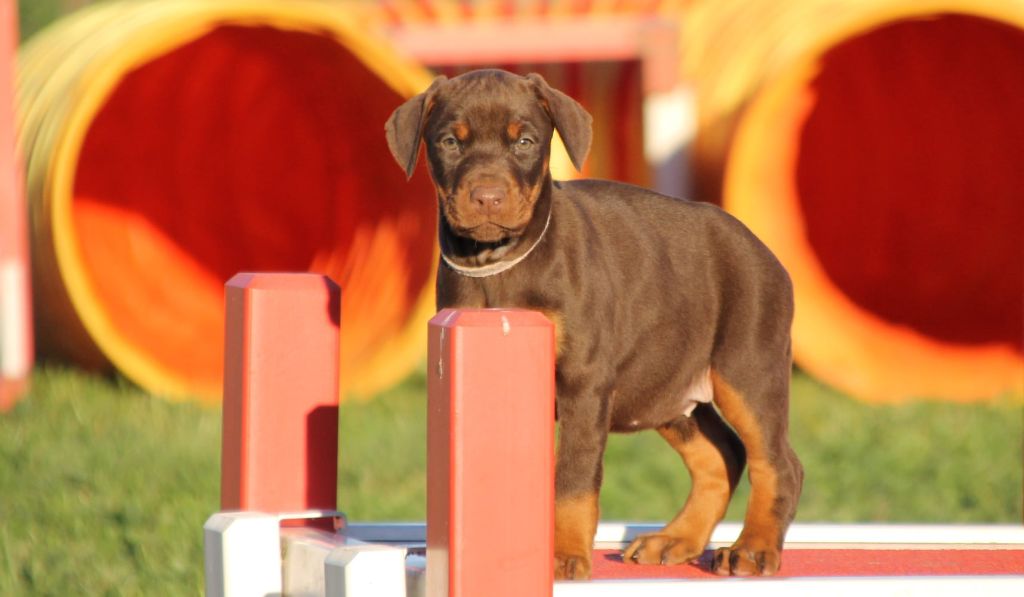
<point x="280" y="440"/>
<point x="490" y="454"/>
<point x="15" y="299"/>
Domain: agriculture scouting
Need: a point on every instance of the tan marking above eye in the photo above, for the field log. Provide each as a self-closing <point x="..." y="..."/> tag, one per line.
<point x="514" y="129"/>
<point x="461" y="130"/>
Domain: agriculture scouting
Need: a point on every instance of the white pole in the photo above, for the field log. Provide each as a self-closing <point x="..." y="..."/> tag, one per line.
<point x="242" y="554"/>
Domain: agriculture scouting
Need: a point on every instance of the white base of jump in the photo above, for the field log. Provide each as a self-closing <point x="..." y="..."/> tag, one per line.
<point x="249" y="554"/>
<point x="617" y="534"/>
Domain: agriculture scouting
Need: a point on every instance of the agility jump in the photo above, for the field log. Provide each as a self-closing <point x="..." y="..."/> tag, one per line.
<point x="489" y="530"/>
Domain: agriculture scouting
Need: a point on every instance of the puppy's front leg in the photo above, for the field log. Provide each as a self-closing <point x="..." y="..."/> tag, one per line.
<point x="583" y="433"/>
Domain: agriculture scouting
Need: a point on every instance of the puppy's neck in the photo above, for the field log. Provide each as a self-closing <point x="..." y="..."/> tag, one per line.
<point x="462" y="252"/>
<point x="473" y="253"/>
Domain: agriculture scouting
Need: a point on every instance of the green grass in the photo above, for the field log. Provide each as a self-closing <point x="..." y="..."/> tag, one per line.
<point x="104" y="490"/>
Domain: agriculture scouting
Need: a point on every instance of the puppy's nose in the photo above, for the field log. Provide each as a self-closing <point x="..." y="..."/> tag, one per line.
<point x="487" y="198"/>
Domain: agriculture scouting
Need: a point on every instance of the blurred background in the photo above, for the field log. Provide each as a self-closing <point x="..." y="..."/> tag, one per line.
<point x="151" y="149"/>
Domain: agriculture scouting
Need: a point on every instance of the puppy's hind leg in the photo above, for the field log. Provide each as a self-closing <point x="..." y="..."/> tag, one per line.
<point x="714" y="456"/>
<point x="759" y="413"/>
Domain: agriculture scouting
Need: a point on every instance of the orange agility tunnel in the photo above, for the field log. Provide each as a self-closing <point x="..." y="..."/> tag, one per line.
<point x="876" y="147"/>
<point x="171" y="144"/>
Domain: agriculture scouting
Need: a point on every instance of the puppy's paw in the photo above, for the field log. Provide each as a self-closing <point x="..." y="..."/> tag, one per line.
<point x="746" y="560"/>
<point x="572" y="567"/>
<point x="659" y="548"/>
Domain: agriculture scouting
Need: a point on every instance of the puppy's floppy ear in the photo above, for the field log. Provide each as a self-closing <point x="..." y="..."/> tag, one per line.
<point x="571" y="120"/>
<point x="404" y="127"/>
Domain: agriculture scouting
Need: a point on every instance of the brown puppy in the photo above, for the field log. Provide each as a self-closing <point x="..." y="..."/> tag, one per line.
<point x="662" y="308"/>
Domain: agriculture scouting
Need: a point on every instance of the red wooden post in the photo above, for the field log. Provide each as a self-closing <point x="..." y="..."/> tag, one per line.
<point x="15" y="302"/>
<point x="490" y="454"/>
<point x="280" y="441"/>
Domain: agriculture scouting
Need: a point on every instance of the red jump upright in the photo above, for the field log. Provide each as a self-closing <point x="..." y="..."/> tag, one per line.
<point x="490" y="454"/>
<point x="280" y="438"/>
<point x="15" y="301"/>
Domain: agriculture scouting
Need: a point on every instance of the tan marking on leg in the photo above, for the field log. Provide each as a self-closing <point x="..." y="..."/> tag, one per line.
<point x="685" y="537"/>
<point x="575" y="525"/>
<point x="761" y="538"/>
<point x="559" y="322"/>
<point x="709" y="496"/>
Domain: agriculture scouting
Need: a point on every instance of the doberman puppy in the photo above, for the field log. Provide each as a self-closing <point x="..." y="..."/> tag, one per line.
<point x="664" y="309"/>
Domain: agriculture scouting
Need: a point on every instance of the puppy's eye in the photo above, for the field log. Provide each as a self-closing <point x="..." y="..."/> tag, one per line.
<point x="524" y="143"/>
<point x="450" y="143"/>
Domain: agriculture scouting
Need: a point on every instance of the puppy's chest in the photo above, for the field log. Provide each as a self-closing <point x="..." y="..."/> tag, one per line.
<point x="494" y="292"/>
<point x="501" y="293"/>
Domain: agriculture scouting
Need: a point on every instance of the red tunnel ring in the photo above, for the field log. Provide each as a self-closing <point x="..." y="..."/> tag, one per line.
<point x="206" y="140"/>
<point x="907" y="285"/>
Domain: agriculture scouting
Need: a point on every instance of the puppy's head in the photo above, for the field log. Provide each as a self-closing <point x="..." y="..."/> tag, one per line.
<point x="488" y="140"/>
